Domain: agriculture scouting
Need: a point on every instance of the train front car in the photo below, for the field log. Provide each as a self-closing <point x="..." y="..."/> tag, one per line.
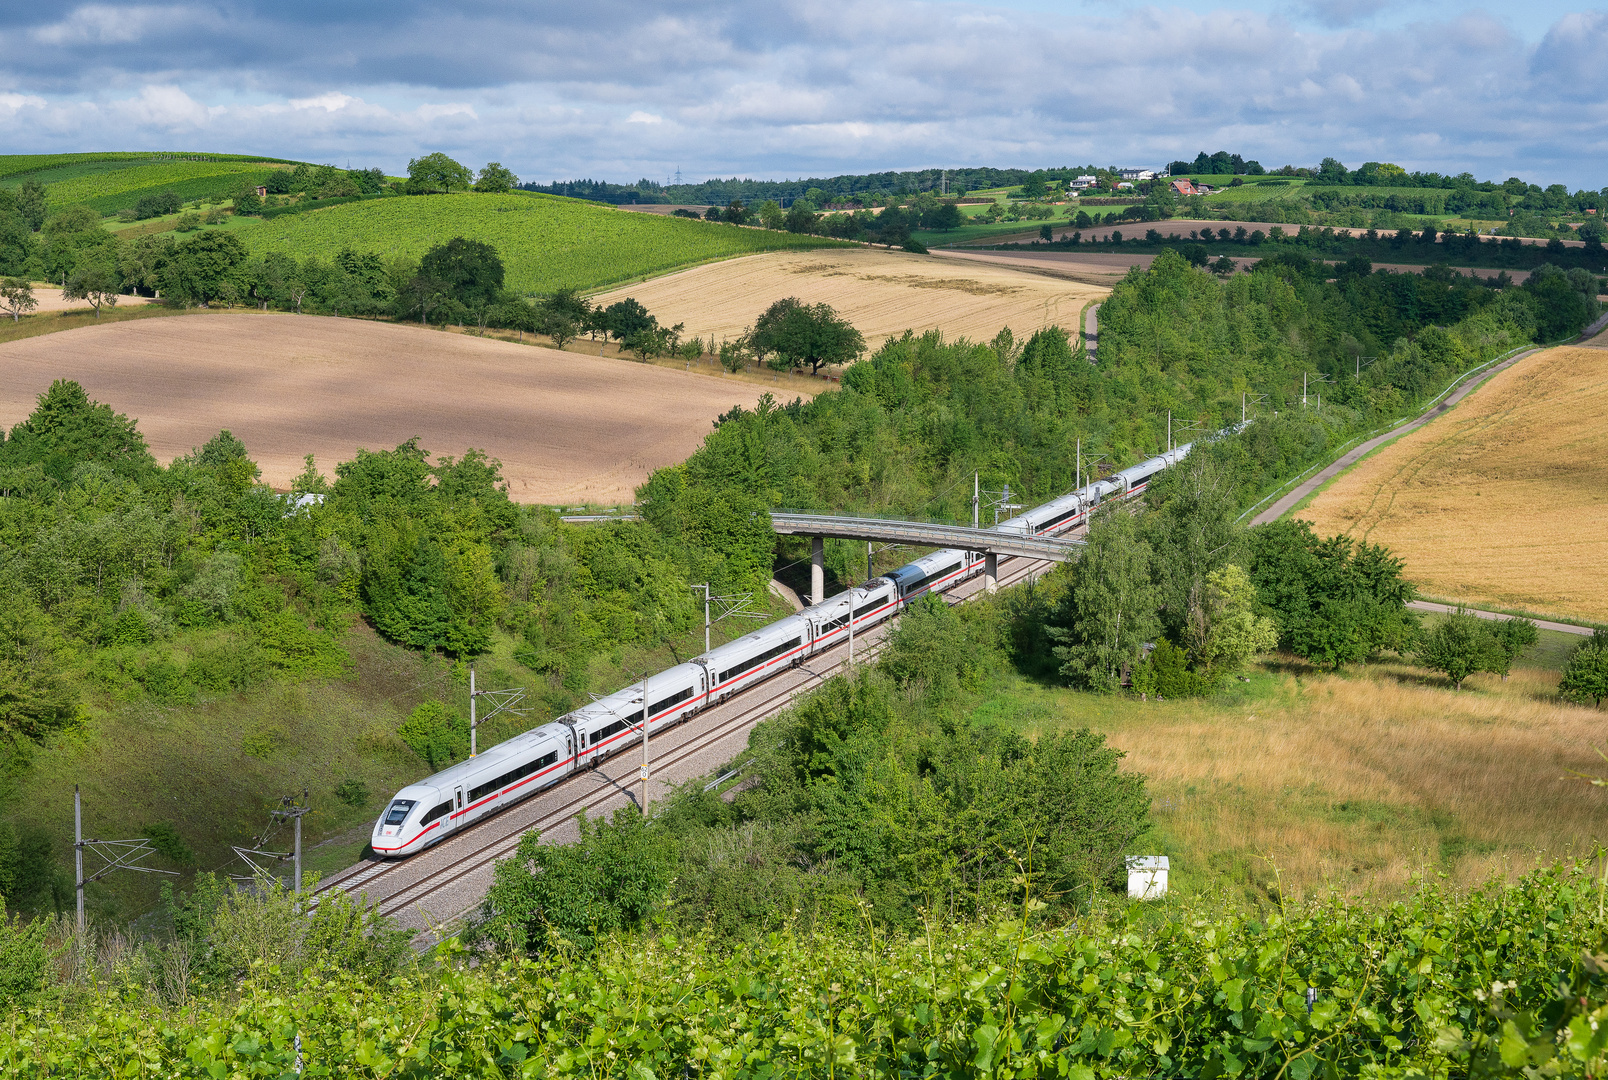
<point x="424" y="813"/>
<point x="415" y="819"/>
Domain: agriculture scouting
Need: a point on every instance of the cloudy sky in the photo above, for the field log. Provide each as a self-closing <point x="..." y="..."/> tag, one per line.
<point x="781" y="88"/>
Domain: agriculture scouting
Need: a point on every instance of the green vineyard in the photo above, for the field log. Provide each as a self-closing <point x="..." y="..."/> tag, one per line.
<point x="547" y="243"/>
<point x="109" y="192"/>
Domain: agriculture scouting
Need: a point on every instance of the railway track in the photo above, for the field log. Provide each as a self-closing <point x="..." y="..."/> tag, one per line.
<point x="441" y="884"/>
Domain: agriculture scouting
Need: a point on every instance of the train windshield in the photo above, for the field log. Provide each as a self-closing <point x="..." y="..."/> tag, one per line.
<point x="399" y="811"/>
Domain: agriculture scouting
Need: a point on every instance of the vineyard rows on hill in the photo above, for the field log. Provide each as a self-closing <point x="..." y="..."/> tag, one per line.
<point x="97" y="187"/>
<point x="18" y="164"/>
<point x="546" y="243"/>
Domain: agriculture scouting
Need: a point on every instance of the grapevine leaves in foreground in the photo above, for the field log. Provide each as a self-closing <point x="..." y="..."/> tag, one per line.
<point x="1498" y="981"/>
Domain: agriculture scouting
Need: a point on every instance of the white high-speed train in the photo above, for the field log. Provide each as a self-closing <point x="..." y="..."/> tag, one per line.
<point x="424" y="813"/>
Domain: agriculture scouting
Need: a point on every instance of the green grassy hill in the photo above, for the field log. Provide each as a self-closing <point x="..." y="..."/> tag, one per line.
<point x="546" y="242"/>
<point x="110" y="181"/>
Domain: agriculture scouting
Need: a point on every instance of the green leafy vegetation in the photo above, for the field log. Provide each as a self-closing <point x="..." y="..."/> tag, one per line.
<point x="194" y="588"/>
<point x="1490" y="983"/>
<point x="547" y="244"/>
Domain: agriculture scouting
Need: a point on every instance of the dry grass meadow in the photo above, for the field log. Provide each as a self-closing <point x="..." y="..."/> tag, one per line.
<point x="1356" y="782"/>
<point x="568" y="428"/>
<point x="883" y="293"/>
<point x="1503" y="500"/>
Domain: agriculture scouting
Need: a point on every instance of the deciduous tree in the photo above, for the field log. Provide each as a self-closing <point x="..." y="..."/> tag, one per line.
<point x="1110" y="609"/>
<point x="1458" y="646"/>
<point x="495" y="178"/>
<point x="471" y="270"/>
<point x="1585" y="676"/>
<point x="95" y="280"/>
<point x="437" y="172"/>
<point x="798" y="334"/>
<point x="17" y="298"/>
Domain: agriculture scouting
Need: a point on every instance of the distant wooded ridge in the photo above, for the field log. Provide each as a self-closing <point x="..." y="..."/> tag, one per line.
<point x="722" y="192"/>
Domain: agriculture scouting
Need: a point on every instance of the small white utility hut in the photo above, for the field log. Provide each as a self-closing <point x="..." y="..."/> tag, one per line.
<point x="1147" y="876"/>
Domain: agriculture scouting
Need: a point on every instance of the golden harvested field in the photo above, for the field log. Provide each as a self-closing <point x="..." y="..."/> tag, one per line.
<point x="1504" y="499"/>
<point x="1355" y="782"/>
<point x="568" y="428"/>
<point x="883" y="293"/>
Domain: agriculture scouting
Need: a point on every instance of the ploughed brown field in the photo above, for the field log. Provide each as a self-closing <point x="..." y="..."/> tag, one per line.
<point x="1503" y="500"/>
<point x="568" y="428"/>
<point x="883" y="293"/>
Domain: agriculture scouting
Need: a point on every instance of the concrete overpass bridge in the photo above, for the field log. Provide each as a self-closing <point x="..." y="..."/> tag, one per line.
<point x="990" y="544"/>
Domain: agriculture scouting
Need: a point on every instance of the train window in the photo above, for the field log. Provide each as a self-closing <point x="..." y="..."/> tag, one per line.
<point x="674" y="699"/>
<point x="514" y="774"/>
<point x="613" y="729"/>
<point x="755" y="661"/>
<point x="1054" y="521"/>
<point x="436" y="814"/>
<point x="399" y="811"/>
<point x="867" y="609"/>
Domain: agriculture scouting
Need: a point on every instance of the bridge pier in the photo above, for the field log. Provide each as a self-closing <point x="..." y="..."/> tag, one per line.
<point x="817" y="569"/>
<point x="990" y="572"/>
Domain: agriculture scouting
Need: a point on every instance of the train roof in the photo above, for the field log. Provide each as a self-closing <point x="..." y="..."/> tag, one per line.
<point x="491" y="757"/>
<point x="740" y="647"/>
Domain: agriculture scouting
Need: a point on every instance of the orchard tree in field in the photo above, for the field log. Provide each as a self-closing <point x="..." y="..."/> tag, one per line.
<point x="799" y="334"/>
<point x="95" y="280"/>
<point x="495" y="178"/>
<point x="436" y="172"/>
<point x="17" y="298"/>
<point x="1458" y="646"/>
<point x="1585" y="676"/>
<point x="1509" y="638"/>
<point x="627" y="321"/>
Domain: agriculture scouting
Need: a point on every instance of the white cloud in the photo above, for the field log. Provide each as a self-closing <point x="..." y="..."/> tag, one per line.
<point x="103" y="24"/>
<point x="814" y="86"/>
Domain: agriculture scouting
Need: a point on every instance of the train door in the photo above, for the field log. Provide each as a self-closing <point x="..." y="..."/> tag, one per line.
<point x="457" y="803"/>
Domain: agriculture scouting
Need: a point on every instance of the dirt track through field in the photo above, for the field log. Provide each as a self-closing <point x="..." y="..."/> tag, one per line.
<point x="568" y="428"/>
<point x="883" y="293"/>
<point x="1501" y="501"/>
